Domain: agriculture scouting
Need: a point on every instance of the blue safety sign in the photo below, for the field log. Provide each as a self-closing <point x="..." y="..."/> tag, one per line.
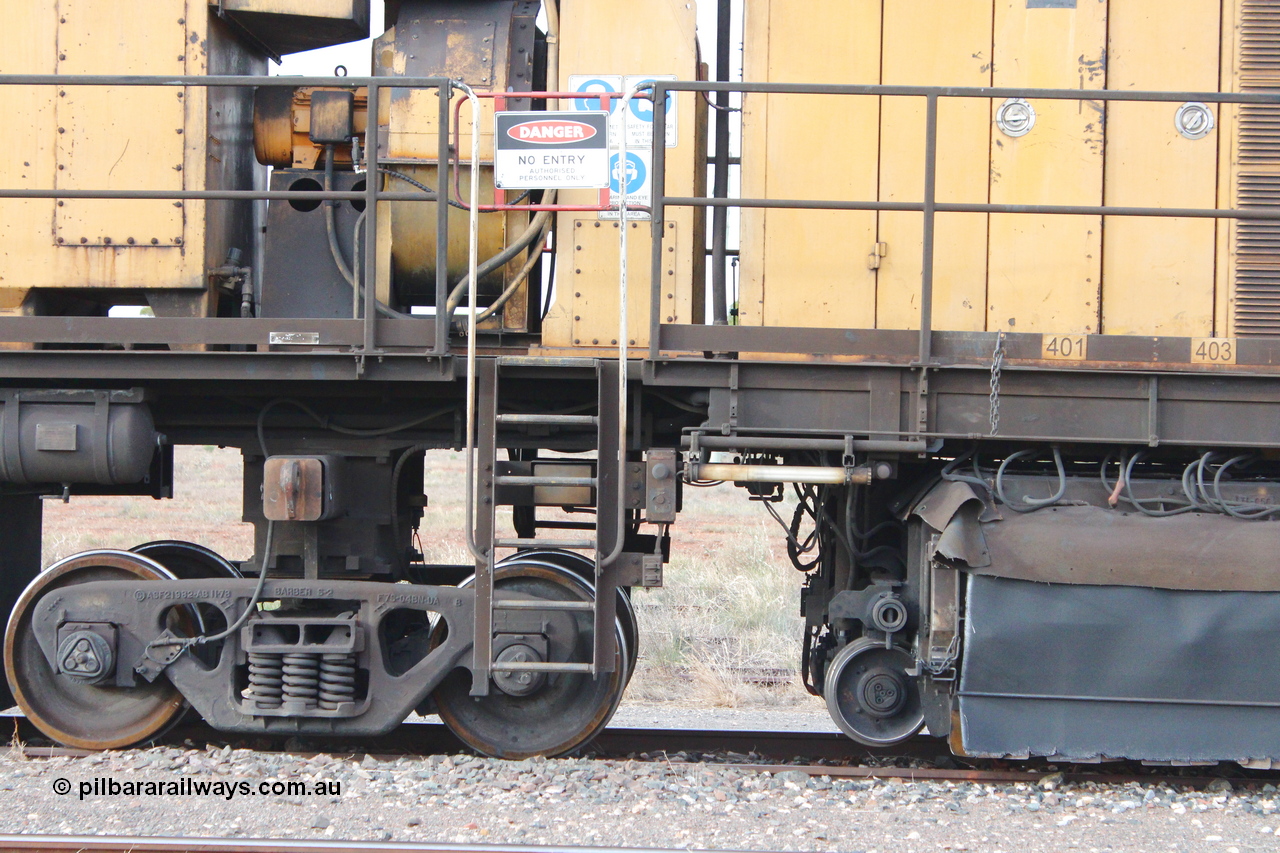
<point x="637" y="174"/>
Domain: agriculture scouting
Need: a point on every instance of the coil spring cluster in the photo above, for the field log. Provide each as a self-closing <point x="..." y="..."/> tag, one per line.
<point x="266" y="680"/>
<point x="337" y="680"/>
<point x="301" y="679"/>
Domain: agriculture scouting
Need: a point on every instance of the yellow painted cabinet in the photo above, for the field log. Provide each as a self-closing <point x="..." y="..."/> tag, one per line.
<point x="1045" y="271"/>
<point x="960" y="36"/>
<point x="799" y="267"/>
<point x="1018" y="272"/>
<point x="1158" y="274"/>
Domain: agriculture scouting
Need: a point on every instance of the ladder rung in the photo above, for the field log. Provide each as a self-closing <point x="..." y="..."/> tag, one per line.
<point x="549" y="420"/>
<point x="573" y="544"/>
<point x="564" y="525"/>
<point x="544" y="480"/>
<point x="538" y="666"/>
<point x="542" y="604"/>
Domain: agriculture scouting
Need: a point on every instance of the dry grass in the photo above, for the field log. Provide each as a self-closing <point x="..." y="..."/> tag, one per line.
<point x="206" y="510"/>
<point x="725" y="630"/>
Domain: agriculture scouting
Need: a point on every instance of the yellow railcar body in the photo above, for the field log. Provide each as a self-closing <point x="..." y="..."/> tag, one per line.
<point x="1056" y="274"/>
<point x="79" y="137"/>
<point x="598" y="39"/>
<point x="804" y="267"/>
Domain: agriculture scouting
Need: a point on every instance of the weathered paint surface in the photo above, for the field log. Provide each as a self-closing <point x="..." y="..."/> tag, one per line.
<point x="1052" y="274"/>
<point x="597" y="39"/>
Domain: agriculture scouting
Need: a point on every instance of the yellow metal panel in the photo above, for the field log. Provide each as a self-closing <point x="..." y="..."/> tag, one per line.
<point x="601" y="38"/>
<point x="1045" y="271"/>
<point x="126" y="138"/>
<point x="341" y="9"/>
<point x="96" y="38"/>
<point x="594" y="282"/>
<point x="1158" y="274"/>
<point x="1249" y="251"/>
<point x="958" y="36"/>
<point x="807" y="268"/>
<point x="28" y="45"/>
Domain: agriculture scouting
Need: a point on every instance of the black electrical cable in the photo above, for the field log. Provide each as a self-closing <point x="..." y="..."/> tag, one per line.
<point x="535" y="230"/>
<point x="455" y="204"/>
<point x="550" y="283"/>
<point x="250" y="608"/>
<point x="794" y="547"/>
<point x="1031" y="504"/>
<point x="395" y="497"/>
<point x="948" y="471"/>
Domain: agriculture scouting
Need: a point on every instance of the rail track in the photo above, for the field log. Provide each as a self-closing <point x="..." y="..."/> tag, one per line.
<point x="921" y="758"/>
<point x="107" y="844"/>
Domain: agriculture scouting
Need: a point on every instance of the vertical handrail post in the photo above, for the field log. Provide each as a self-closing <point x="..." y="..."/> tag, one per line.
<point x="930" y="204"/>
<point x="481" y="551"/>
<point x="371" y="224"/>
<point x="444" y="159"/>
<point x="720" y="213"/>
<point x="657" y="215"/>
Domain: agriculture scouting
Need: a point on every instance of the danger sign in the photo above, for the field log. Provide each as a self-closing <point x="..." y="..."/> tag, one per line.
<point x="540" y="150"/>
<point x="551" y="131"/>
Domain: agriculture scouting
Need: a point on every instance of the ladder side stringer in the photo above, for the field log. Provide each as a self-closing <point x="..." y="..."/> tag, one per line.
<point x="608" y="530"/>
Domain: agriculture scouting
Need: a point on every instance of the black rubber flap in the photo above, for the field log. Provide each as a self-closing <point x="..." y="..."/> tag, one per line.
<point x="1121" y="672"/>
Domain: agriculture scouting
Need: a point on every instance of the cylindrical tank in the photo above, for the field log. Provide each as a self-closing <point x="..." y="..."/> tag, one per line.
<point x="98" y="441"/>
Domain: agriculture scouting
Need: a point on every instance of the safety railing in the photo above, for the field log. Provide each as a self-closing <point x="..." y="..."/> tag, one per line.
<point x="363" y="336"/>
<point x="928" y="206"/>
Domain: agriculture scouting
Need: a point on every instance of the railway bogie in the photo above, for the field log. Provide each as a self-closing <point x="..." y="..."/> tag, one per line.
<point x="1020" y="439"/>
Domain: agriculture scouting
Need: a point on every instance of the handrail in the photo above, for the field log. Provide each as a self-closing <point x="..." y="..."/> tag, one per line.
<point x="371" y="195"/>
<point x="623" y="331"/>
<point x="473" y="262"/>
<point x="929" y="206"/>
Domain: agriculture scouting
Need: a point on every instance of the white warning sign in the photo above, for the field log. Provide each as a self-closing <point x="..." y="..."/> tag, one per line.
<point x="638" y="174"/>
<point x="540" y="150"/>
<point x="639" y="117"/>
<point x="637" y="123"/>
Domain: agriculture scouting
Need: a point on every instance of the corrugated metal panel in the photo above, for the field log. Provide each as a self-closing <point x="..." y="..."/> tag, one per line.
<point x="1257" y="255"/>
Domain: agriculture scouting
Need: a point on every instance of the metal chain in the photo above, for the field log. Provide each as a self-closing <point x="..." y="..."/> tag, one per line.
<point x="997" y="361"/>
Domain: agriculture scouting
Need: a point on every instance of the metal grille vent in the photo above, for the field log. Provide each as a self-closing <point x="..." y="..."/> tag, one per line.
<point x="1259" y="42"/>
<point x="1257" y="280"/>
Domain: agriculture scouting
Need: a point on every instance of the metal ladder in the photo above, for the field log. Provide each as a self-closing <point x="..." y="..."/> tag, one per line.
<point x="604" y="540"/>
<point x="482" y="425"/>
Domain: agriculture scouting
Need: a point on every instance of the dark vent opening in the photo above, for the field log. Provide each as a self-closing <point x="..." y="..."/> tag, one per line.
<point x="1257" y="244"/>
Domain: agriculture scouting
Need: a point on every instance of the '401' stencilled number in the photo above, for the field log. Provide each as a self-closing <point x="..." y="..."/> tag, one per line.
<point x="1064" y="347"/>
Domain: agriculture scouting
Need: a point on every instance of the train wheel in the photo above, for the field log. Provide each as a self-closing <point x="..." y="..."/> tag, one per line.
<point x="187" y="560"/>
<point x="73" y="711"/>
<point x="528" y="714"/>
<point x="585" y="568"/>
<point x="870" y="696"/>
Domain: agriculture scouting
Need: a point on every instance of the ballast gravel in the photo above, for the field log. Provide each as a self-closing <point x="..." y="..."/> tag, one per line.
<point x="661" y="802"/>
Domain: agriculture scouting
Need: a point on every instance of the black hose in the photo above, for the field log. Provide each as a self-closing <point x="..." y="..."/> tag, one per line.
<point x="395" y="498"/>
<point x="524" y="241"/>
<point x="1031" y="504"/>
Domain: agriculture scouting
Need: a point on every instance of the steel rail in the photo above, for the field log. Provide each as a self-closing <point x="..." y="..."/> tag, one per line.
<point x="813" y="753"/>
<point x="111" y="844"/>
